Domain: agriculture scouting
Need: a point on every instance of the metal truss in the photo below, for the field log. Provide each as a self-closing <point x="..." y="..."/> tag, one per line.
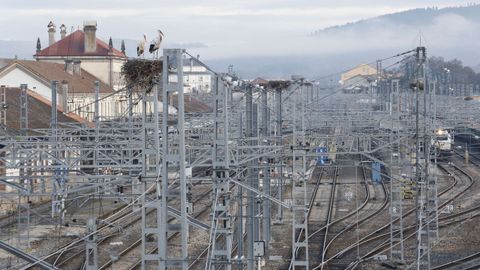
<point x="221" y="236"/>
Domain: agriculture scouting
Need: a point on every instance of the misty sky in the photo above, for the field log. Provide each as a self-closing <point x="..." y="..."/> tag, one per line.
<point x="228" y="28"/>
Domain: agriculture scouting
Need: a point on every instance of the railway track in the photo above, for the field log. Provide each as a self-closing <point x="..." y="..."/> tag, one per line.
<point x="462" y="263"/>
<point x="122" y="213"/>
<point x="348" y="232"/>
<point x="385" y="245"/>
<point x="75" y="250"/>
<point x="320" y="235"/>
<point x="124" y="253"/>
<point x="316" y="175"/>
<point x="310" y="205"/>
<point x="137" y="263"/>
<point x="376" y="234"/>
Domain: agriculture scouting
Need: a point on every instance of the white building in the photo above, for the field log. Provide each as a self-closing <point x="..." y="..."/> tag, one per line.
<point x="197" y="78"/>
<point x="83" y="48"/>
<point x="75" y="89"/>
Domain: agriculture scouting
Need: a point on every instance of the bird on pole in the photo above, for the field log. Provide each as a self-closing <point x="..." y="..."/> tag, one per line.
<point x="50" y="25"/>
<point x="141" y="46"/>
<point x="155" y="44"/>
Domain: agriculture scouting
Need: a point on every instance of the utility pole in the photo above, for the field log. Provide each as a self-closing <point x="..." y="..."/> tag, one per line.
<point x="239" y="221"/>
<point x="251" y="204"/>
<point x="173" y="151"/>
<point x="266" y="170"/>
<point x="24" y="205"/>
<point x="422" y="242"/>
<point x="3" y="104"/>
<point x="396" y="200"/>
<point x="279" y="159"/>
<point x="91" y="256"/>
<point x="299" y="194"/>
<point x="59" y="180"/>
<point x="150" y="179"/>
<point x="255" y="185"/>
<point x="221" y="245"/>
<point x="156" y="170"/>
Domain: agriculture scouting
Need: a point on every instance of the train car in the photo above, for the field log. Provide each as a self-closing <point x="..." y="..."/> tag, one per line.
<point x="442" y="141"/>
<point x="376" y="172"/>
<point x="322" y="152"/>
<point x="407" y="187"/>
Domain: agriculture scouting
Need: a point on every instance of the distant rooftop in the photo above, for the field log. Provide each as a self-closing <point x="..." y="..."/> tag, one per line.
<point x="39" y="111"/>
<point x="74" y="45"/>
<point x="47" y="72"/>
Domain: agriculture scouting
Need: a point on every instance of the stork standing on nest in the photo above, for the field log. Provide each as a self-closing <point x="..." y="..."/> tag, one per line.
<point x="155" y="44"/>
<point x="141" y="46"/>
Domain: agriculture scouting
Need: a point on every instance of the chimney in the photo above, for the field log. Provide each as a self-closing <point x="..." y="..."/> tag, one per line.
<point x="63" y="31"/>
<point x="77" y="68"/>
<point x="39" y="45"/>
<point x="110" y="46"/>
<point x="90" y="29"/>
<point x="51" y="33"/>
<point x="123" y="47"/>
<point x="64" y="98"/>
<point x="69" y="66"/>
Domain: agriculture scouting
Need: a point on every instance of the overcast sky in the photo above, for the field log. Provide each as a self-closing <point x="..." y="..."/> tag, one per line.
<point x="228" y="28"/>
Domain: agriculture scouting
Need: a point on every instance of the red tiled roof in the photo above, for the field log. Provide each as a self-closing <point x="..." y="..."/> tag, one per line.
<point x="39" y="111"/>
<point x="260" y="81"/>
<point x="74" y="45"/>
<point x="191" y="104"/>
<point x="83" y="83"/>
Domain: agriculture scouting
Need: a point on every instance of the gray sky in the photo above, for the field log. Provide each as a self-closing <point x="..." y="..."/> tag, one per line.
<point x="228" y="28"/>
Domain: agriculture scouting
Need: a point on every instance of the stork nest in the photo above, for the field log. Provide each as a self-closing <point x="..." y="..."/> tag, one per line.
<point x="142" y="74"/>
<point x="278" y="84"/>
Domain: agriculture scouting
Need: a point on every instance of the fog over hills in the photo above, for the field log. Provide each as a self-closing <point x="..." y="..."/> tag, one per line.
<point x="449" y="32"/>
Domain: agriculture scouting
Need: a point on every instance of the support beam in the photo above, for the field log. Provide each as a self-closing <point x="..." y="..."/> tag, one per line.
<point x="250" y="179"/>
<point x="27" y="257"/>
<point x="222" y="234"/>
<point x="266" y="171"/>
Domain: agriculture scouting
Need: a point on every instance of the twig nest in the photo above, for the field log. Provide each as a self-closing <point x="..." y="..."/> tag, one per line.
<point x="141" y="73"/>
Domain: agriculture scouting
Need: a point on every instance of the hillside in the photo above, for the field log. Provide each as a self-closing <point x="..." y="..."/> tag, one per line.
<point x="416" y="18"/>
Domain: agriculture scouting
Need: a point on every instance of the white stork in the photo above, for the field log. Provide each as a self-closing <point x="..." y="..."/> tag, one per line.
<point x="141" y="46"/>
<point x="50" y="25"/>
<point x="155" y="44"/>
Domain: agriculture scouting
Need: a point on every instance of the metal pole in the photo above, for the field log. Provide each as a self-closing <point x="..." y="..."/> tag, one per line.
<point x="221" y="239"/>
<point x="255" y="179"/>
<point x="279" y="162"/>
<point x="91" y="261"/>
<point x="266" y="172"/>
<point x="239" y="224"/>
<point x="250" y="179"/>
<point x="23" y="109"/>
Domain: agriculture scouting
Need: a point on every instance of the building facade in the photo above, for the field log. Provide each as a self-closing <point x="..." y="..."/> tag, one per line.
<point x="84" y="49"/>
<point x="362" y="69"/>
<point x="75" y="88"/>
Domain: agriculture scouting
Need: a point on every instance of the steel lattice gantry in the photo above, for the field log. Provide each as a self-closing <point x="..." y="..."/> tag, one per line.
<point x="221" y="232"/>
<point x="397" y="154"/>
<point x="167" y="169"/>
<point x="299" y="189"/>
